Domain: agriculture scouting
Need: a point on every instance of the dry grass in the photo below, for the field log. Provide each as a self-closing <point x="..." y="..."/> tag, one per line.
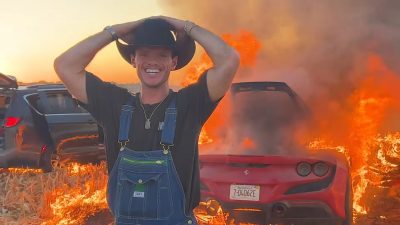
<point x="65" y="196"/>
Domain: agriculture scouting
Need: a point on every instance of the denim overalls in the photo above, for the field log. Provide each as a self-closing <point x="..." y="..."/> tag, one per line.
<point x="143" y="186"/>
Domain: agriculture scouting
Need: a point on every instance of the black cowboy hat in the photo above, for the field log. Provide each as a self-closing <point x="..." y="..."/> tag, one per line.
<point x="158" y="33"/>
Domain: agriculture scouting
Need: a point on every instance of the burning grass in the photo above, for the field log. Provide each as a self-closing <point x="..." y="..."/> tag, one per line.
<point x="72" y="194"/>
<point x="65" y="196"/>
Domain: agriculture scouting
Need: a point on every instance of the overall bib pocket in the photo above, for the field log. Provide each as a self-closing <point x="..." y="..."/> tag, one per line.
<point x="144" y="195"/>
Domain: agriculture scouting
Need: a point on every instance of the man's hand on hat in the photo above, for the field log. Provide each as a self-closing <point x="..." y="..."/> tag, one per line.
<point x="181" y="27"/>
<point x="125" y="31"/>
<point x="177" y="24"/>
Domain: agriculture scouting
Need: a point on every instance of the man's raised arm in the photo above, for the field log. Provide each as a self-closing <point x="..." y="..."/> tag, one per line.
<point x="224" y="57"/>
<point x="70" y="66"/>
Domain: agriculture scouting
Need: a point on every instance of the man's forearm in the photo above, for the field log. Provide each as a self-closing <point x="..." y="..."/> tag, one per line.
<point x="70" y="66"/>
<point x="225" y="59"/>
<point x="75" y="59"/>
<point x="215" y="47"/>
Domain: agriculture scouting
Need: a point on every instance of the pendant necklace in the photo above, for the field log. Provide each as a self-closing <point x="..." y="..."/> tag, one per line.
<point x="147" y="124"/>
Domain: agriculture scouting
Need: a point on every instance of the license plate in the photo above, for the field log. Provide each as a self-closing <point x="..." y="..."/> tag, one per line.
<point x="245" y="192"/>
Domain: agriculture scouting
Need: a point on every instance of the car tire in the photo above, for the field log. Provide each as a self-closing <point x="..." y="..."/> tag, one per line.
<point x="349" y="203"/>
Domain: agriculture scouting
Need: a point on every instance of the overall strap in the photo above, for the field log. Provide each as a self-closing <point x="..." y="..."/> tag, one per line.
<point x="168" y="131"/>
<point x="125" y="120"/>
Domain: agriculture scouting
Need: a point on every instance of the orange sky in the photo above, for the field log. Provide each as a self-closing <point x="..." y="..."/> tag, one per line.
<point x="33" y="33"/>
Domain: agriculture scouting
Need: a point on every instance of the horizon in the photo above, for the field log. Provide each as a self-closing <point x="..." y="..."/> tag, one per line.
<point x="35" y="33"/>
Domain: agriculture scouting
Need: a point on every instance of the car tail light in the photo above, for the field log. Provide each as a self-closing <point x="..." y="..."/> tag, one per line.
<point x="11" y="121"/>
<point x="320" y="169"/>
<point x="304" y="169"/>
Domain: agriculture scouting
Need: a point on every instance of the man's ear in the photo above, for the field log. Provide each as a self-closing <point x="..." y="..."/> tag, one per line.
<point x="133" y="60"/>
<point x="174" y="61"/>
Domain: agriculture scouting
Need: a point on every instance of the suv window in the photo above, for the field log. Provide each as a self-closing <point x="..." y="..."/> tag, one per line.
<point x="55" y="103"/>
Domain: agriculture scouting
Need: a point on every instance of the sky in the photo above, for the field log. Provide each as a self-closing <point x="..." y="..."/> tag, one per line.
<point x="319" y="44"/>
<point x="34" y="33"/>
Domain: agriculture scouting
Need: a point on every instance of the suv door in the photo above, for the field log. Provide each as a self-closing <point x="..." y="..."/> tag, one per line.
<point x="73" y="130"/>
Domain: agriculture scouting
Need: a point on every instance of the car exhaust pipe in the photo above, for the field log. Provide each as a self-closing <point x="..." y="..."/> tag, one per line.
<point x="279" y="209"/>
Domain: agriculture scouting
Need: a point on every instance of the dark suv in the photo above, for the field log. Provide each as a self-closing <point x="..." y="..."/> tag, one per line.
<point x="42" y="125"/>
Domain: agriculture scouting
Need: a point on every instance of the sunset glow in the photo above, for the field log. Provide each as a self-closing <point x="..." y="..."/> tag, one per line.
<point x="33" y="33"/>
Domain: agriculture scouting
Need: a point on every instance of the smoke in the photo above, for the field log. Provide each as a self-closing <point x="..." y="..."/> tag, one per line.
<point x="321" y="42"/>
<point x="266" y="128"/>
<point x="321" y="49"/>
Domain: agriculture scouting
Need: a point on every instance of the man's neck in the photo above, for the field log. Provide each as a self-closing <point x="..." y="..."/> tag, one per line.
<point x="153" y="95"/>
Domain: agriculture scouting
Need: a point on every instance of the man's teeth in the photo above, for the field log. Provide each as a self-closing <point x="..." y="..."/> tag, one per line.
<point x="152" y="70"/>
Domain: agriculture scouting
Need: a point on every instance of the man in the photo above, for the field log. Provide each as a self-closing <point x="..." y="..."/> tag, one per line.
<point x="151" y="137"/>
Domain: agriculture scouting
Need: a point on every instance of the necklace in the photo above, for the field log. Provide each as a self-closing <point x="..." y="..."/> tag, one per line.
<point x="147" y="124"/>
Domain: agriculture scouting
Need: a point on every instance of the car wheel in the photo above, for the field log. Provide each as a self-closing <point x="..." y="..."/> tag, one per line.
<point x="349" y="203"/>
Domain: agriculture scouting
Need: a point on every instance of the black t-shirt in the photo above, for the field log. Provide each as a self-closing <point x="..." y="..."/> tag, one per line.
<point x="194" y="107"/>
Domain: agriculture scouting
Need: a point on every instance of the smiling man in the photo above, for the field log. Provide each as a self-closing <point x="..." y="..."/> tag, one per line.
<point x="151" y="137"/>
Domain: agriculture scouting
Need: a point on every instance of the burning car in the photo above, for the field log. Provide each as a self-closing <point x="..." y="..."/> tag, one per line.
<point x="261" y="174"/>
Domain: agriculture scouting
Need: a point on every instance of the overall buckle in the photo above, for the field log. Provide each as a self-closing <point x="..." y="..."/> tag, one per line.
<point x="166" y="147"/>
<point x="123" y="144"/>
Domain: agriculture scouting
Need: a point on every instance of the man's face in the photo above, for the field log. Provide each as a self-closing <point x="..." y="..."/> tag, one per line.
<point x="153" y="65"/>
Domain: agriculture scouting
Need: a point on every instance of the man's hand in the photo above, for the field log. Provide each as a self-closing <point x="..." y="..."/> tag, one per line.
<point x="125" y="31"/>
<point x="177" y="24"/>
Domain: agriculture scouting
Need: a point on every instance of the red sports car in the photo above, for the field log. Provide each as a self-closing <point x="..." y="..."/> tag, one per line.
<point x="260" y="174"/>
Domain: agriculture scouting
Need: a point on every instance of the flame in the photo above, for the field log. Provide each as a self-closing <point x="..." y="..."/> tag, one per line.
<point x="363" y="132"/>
<point x="204" y="138"/>
<point x="248" y="47"/>
<point x="73" y="203"/>
<point x="248" y="143"/>
<point x="24" y="170"/>
<point x="364" y="146"/>
<point x="245" y="44"/>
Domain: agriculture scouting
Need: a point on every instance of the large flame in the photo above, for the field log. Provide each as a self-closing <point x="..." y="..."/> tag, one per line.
<point x="83" y="195"/>
<point x="245" y="44"/>
<point x="369" y="108"/>
<point x="248" y="47"/>
<point x="363" y="130"/>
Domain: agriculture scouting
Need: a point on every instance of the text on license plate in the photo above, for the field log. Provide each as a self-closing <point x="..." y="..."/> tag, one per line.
<point x="244" y="192"/>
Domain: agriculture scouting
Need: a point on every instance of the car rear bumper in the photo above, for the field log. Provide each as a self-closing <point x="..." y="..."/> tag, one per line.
<point x="314" y="212"/>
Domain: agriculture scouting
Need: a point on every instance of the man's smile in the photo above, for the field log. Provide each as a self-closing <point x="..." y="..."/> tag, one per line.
<point x="152" y="72"/>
